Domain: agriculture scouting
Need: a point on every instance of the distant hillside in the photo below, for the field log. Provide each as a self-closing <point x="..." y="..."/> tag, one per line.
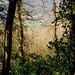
<point x="41" y="9"/>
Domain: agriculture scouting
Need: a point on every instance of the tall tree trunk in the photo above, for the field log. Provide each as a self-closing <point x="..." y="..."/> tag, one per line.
<point x="73" y="39"/>
<point x="55" y="22"/>
<point x="20" y="27"/>
<point x="73" y="34"/>
<point x="8" y="37"/>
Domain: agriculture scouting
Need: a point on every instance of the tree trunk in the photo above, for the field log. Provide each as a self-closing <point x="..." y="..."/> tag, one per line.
<point x="73" y="39"/>
<point x="8" y="37"/>
<point x="20" y="29"/>
<point x="55" y="22"/>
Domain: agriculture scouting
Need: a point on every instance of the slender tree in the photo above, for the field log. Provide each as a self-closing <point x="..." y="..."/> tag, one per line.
<point x="20" y="29"/>
<point x="55" y="22"/>
<point x="8" y="37"/>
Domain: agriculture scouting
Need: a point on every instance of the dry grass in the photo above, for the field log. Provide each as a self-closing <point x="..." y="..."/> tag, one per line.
<point x="37" y="39"/>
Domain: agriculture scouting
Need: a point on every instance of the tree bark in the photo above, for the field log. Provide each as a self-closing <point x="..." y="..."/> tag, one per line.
<point x="73" y="34"/>
<point x="55" y="22"/>
<point x="20" y="29"/>
<point x="73" y="39"/>
<point x="8" y="37"/>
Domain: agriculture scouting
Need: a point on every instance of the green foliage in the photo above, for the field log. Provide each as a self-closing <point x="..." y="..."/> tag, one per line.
<point x="66" y="10"/>
<point x="24" y="66"/>
<point x="64" y="56"/>
<point x="64" y="53"/>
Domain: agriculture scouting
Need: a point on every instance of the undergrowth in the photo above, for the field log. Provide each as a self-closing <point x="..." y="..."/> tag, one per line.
<point x="61" y="63"/>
